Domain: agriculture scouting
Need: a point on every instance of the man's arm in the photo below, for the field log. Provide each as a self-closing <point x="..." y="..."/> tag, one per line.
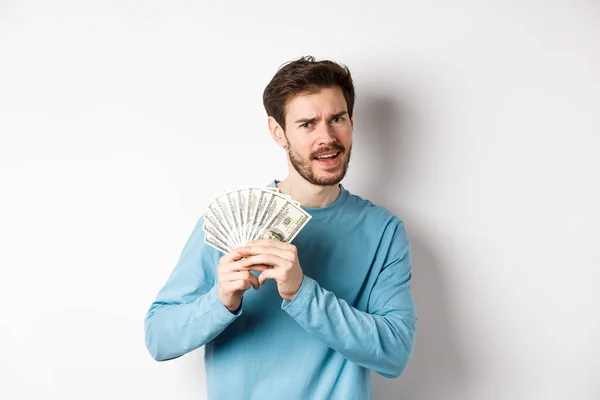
<point x="380" y="339"/>
<point x="187" y="312"/>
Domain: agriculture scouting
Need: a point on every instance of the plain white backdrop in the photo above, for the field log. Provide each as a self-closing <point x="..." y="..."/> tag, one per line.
<point x="476" y="122"/>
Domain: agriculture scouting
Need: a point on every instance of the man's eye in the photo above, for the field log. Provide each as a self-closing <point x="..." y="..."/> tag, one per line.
<point x="305" y="125"/>
<point x="337" y="119"/>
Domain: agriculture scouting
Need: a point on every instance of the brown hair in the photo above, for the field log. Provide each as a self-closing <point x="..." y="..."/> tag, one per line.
<point x="305" y="75"/>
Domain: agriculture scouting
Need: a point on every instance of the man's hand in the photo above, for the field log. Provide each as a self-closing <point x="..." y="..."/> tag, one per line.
<point x="234" y="278"/>
<point x="283" y="259"/>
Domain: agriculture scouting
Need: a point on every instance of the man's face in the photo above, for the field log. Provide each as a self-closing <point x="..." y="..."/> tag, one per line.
<point x="319" y="136"/>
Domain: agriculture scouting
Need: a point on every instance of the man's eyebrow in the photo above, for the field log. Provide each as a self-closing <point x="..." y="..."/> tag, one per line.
<point x="336" y="115"/>
<point x="339" y="114"/>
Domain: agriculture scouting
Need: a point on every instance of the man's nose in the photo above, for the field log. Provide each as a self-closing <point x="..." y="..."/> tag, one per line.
<point x="326" y="134"/>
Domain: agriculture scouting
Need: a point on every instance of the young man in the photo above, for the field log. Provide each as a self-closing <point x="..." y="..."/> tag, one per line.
<point x="323" y="311"/>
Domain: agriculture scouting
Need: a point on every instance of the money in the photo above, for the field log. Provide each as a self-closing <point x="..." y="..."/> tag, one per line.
<point x="243" y="214"/>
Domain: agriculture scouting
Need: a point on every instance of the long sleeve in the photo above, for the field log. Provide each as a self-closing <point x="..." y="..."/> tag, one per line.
<point x="380" y="339"/>
<point x="187" y="312"/>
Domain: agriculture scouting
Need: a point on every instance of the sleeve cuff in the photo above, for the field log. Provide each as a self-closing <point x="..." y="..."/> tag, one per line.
<point x="219" y="310"/>
<point x="305" y="293"/>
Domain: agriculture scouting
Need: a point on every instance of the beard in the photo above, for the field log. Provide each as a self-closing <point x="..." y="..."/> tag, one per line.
<point x="305" y="167"/>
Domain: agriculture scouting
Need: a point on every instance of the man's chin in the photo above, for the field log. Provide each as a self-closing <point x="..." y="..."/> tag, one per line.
<point x="328" y="179"/>
<point x="316" y="174"/>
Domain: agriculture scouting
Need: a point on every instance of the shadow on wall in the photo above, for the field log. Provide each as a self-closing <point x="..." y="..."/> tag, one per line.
<point x="385" y="143"/>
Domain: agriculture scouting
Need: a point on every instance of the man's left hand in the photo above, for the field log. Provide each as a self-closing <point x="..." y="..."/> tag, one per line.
<point x="283" y="257"/>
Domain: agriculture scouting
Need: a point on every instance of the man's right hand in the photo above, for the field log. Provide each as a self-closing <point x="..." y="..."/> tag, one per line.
<point x="234" y="278"/>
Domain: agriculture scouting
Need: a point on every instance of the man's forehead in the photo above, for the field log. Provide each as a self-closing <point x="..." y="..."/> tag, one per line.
<point x="326" y="101"/>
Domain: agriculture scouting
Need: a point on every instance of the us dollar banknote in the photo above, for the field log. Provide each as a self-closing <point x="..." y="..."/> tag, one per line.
<point x="243" y="214"/>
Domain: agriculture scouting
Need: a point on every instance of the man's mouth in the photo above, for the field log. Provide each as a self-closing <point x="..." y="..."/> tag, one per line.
<point x="328" y="155"/>
<point x="329" y="161"/>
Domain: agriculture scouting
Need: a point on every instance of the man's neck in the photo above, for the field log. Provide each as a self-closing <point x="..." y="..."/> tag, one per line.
<point x="309" y="195"/>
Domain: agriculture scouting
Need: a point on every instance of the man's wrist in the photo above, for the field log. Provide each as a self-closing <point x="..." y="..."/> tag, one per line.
<point x="290" y="298"/>
<point x="237" y="310"/>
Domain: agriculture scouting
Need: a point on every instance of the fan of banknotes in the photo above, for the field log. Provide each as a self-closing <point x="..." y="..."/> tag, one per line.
<point x="240" y="215"/>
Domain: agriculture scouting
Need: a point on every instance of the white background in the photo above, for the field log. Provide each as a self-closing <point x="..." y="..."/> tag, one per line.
<point x="476" y="122"/>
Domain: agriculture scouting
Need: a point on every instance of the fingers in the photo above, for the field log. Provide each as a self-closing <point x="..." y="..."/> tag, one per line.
<point x="269" y="259"/>
<point x="243" y="275"/>
<point x="257" y="267"/>
<point x="271" y="243"/>
<point x="268" y="274"/>
<point x="285" y="254"/>
<point x="233" y="255"/>
<point x="272" y="258"/>
<point x="239" y="285"/>
<point x="234" y="276"/>
<point x="242" y="265"/>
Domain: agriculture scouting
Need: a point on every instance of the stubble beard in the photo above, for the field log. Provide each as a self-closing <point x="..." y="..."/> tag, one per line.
<point x="305" y="169"/>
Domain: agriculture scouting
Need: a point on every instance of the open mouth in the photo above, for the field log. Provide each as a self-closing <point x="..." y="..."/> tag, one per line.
<point x="328" y="156"/>
<point x="328" y="159"/>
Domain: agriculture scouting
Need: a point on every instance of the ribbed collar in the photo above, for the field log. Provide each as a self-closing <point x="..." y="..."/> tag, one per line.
<point x="328" y="208"/>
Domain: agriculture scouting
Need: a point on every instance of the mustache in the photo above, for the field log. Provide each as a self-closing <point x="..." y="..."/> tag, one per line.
<point x="329" y="149"/>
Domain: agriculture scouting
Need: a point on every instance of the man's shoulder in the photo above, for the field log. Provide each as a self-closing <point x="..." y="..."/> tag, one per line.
<point x="374" y="212"/>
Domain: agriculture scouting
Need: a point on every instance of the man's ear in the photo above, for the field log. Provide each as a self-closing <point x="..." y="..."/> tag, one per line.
<point x="276" y="132"/>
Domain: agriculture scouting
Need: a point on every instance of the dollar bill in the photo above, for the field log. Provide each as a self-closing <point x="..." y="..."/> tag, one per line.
<point x="242" y="214"/>
<point x="235" y="212"/>
<point x="286" y="223"/>
<point x="224" y="207"/>
<point x="264" y="198"/>
<point x="253" y="198"/>
<point x="216" y="243"/>
<point x="215" y="229"/>
<point x="216" y="217"/>
<point x="276" y="202"/>
<point x="242" y="195"/>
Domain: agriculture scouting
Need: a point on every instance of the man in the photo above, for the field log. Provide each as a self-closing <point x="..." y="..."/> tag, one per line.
<point x="323" y="311"/>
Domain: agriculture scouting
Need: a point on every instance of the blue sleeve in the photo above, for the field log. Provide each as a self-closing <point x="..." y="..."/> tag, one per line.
<point x="187" y="312"/>
<point x="380" y="339"/>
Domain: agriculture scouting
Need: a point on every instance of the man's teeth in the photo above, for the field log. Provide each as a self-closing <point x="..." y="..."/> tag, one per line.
<point x="328" y="155"/>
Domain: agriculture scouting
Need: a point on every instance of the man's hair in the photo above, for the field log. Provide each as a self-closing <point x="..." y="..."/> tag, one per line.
<point x="304" y="76"/>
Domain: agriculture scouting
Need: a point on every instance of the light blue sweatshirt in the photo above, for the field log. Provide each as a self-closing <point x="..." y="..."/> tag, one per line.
<point x="353" y="313"/>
